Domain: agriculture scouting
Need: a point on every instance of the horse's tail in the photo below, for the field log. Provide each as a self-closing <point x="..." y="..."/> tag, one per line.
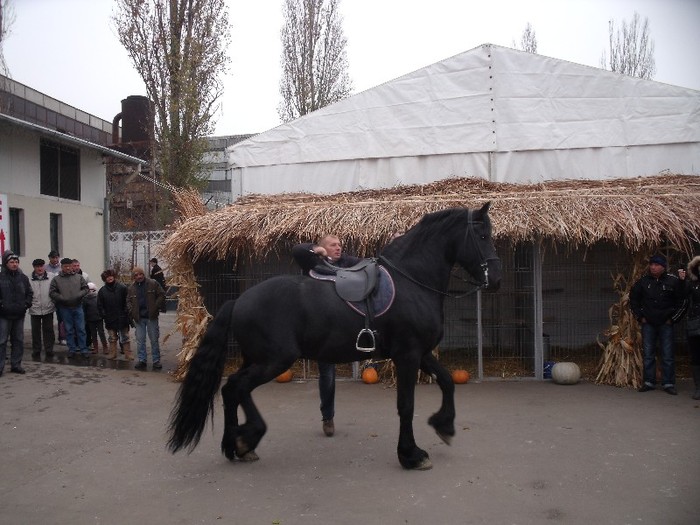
<point x="195" y="398"/>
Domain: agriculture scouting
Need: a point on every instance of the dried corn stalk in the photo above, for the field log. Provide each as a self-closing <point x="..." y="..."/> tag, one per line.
<point x="622" y="361"/>
<point x="192" y="315"/>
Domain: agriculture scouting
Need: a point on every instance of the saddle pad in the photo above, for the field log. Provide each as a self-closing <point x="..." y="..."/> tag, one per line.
<point x="381" y="298"/>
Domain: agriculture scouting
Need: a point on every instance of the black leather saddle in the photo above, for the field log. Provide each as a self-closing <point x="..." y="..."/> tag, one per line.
<point x="359" y="286"/>
<point x="351" y="284"/>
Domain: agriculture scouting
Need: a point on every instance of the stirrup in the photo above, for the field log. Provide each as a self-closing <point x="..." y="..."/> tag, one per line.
<point x="365" y="332"/>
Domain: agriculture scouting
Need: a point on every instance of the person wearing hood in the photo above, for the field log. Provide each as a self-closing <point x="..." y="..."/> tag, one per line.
<point x="692" y="295"/>
<point x="15" y="298"/>
<point x="657" y="301"/>
<point x="41" y="311"/>
<point x="67" y="291"/>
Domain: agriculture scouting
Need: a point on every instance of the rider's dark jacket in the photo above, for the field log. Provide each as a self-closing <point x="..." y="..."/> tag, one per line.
<point x="658" y="300"/>
<point x="306" y="258"/>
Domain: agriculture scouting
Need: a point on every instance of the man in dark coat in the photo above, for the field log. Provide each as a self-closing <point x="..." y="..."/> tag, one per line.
<point x="657" y="302"/>
<point x="308" y="256"/>
<point x="111" y="303"/>
<point x="15" y="298"/>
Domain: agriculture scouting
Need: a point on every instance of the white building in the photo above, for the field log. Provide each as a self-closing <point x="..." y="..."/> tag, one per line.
<point x="53" y="177"/>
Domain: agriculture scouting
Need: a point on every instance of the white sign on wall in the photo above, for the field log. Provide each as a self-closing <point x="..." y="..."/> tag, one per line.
<point x="4" y="224"/>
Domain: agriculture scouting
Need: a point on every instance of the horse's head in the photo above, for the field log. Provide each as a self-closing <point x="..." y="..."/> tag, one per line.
<point x="477" y="254"/>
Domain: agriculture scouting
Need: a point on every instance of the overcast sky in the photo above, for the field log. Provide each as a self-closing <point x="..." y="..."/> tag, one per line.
<point x="68" y="49"/>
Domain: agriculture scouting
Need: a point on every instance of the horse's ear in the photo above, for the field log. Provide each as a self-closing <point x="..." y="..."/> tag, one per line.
<point x="485" y="208"/>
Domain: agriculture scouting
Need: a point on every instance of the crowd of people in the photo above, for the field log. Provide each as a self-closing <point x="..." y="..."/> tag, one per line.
<point x="85" y="315"/>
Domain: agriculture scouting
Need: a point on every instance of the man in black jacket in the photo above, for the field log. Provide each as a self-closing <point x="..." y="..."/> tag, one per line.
<point x="15" y="298"/>
<point x="308" y="255"/>
<point x="657" y="302"/>
<point x="111" y="303"/>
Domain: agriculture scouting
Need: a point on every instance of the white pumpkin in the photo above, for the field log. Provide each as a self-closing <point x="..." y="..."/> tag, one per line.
<point x="566" y="373"/>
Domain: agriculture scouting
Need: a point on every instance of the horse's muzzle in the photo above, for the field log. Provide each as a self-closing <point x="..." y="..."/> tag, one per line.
<point x="494" y="273"/>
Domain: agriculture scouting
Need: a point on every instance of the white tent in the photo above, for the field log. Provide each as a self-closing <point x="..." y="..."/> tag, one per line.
<point x="491" y="112"/>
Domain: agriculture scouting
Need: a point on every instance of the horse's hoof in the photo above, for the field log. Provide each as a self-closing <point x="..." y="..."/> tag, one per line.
<point x="446" y="438"/>
<point x="249" y="456"/>
<point x="424" y="464"/>
<point x="241" y="447"/>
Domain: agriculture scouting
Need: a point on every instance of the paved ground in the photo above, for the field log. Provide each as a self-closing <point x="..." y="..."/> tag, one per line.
<point x="85" y="445"/>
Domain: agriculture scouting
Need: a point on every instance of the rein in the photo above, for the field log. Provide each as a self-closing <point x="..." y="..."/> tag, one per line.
<point x="484" y="266"/>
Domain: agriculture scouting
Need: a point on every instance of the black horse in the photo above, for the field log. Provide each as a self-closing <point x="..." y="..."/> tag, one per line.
<point x="289" y="317"/>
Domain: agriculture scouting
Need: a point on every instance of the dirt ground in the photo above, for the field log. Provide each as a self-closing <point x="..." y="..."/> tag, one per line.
<point x="86" y="445"/>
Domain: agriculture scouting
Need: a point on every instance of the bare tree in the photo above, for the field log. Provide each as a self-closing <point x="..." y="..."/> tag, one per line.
<point x="178" y="47"/>
<point x="6" y="19"/>
<point x="314" y="58"/>
<point x="631" y="49"/>
<point x="528" y="41"/>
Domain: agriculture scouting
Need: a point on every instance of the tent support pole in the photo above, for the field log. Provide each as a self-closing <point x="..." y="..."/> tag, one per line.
<point x="537" y="305"/>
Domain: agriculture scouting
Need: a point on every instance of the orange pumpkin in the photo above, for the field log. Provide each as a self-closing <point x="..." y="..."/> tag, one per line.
<point x="284" y="377"/>
<point x="460" y="377"/>
<point x="370" y="376"/>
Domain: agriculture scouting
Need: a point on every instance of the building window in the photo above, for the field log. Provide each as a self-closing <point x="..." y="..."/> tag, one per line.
<point x="60" y="170"/>
<point x="16" y="230"/>
<point x="55" y="231"/>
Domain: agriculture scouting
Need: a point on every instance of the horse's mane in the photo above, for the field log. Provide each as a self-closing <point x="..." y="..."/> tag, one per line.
<point x="431" y="225"/>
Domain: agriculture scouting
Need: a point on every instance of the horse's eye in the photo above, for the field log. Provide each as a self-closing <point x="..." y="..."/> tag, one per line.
<point x="483" y="237"/>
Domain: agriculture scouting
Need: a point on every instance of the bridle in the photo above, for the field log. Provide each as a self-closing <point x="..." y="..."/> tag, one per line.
<point x="468" y="234"/>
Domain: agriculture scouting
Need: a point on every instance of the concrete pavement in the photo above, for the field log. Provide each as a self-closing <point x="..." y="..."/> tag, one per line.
<point x="86" y="445"/>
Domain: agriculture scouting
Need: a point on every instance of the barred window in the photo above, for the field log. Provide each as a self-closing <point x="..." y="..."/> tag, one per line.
<point x="60" y="170"/>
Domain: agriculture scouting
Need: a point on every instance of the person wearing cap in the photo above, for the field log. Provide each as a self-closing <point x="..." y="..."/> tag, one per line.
<point x="67" y="291"/>
<point x="657" y="301"/>
<point x="41" y="311"/>
<point x="15" y="299"/>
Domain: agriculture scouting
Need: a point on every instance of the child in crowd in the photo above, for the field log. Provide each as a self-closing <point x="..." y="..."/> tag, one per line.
<point x="93" y="320"/>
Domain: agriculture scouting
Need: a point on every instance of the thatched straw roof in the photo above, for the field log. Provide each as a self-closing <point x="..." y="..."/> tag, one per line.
<point x="640" y="213"/>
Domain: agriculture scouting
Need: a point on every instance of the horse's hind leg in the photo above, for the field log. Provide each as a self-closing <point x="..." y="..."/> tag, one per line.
<point x="241" y="440"/>
<point x="230" y="399"/>
<point x="442" y="420"/>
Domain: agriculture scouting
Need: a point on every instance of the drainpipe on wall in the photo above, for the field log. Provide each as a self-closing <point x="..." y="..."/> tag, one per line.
<point x="105" y="230"/>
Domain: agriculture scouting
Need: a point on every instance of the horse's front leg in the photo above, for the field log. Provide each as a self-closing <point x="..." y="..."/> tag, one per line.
<point x="442" y="420"/>
<point x="410" y="455"/>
